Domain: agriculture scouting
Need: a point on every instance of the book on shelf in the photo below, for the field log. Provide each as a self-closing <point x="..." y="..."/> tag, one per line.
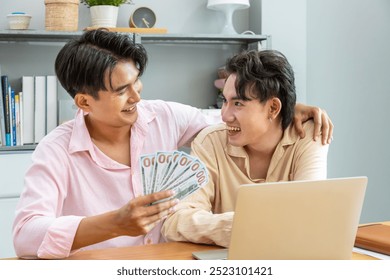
<point x="40" y="108"/>
<point x="12" y="117"/>
<point x="51" y="103"/>
<point x="28" y="110"/>
<point x="7" y="110"/>
<point x="374" y="237"/>
<point x="11" y="113"/>
<point x="18" y="115"/>
<point x="2" y="119"/>
<point x="31" y="113"/>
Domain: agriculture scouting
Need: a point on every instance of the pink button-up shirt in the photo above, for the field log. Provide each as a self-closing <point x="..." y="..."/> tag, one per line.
<point x="70" y="178"/>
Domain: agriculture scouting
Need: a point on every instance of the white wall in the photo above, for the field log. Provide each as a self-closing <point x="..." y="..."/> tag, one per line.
<point x="285" y="21"/>
<point x="340" y="52"/>
<point x="255" y="16"/>
<point x="348" y="73"/>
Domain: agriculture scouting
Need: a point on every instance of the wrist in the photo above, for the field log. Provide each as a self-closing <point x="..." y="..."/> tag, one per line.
<point x="115" y="224"/>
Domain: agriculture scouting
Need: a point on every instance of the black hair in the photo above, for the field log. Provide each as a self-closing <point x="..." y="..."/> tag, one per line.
<point x="82" y="63"/>
<point x="263" y="75"/>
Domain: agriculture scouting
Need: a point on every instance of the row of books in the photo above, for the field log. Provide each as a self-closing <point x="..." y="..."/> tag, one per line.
<point x="27" y="116"/>
<point x="10" y="114"/>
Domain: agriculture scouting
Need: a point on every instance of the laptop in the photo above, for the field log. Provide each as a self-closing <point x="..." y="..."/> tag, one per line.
<point x="299" y="220"/>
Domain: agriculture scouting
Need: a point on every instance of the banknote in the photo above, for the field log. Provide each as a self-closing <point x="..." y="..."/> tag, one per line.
<point x="146" y="165"/>
<point x="172" y="170"/>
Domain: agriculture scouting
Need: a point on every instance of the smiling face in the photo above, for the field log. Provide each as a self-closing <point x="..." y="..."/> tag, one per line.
<point x="247" y="121"/>
<point x="117" y="106"/>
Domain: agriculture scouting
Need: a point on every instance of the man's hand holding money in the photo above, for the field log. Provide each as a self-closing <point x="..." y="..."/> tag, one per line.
<point x="141" y="214"/>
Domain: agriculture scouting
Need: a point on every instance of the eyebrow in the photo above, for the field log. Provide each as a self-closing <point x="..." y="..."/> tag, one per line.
<point x="234" y="98"/>
<point x="121" y="87"/>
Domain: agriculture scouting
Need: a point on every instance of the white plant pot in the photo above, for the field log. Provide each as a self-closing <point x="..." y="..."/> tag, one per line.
<point x="104" y="16"/>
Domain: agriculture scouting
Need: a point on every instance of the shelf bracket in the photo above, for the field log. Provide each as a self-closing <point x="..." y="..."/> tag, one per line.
<point x="137" y="38"/>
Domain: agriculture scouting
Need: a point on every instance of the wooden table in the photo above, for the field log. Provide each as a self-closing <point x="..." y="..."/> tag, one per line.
<point x="161" y="251"/>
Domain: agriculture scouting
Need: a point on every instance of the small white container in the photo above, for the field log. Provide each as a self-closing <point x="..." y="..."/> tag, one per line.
<point x="18" y="20"/>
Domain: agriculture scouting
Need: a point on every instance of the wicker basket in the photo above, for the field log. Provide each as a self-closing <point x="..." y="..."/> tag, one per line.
<point x="62" y="15"/>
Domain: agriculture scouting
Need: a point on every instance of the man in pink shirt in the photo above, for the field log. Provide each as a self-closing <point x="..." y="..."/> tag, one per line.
<point x="83" y="189"/>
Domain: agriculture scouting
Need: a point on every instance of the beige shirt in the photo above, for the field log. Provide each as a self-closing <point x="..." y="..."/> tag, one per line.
<point x="206" y="215"/>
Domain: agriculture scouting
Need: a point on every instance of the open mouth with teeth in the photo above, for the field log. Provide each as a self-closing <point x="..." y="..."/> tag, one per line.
<point x="130" y="109"/>
<point x="233" y="129"/>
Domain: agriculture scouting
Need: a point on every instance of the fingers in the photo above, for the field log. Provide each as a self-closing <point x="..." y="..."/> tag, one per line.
<point x="157" y="206"/>
<point x="317" y="118"/>
<point x="153" y="220"/>
<point x="322" y="123"/>
<point x="327" y="129"/>
<point x="151" y="198"/>
<point x="161" y="209"/>
<point x="141" y="214"/>
<point x="330" y="136"/>
<point x="299" y="128"/>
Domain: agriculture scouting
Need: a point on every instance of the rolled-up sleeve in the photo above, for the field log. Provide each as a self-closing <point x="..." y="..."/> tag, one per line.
<point x="38" y="230"/>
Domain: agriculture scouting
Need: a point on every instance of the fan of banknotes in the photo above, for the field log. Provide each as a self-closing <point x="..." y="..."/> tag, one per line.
<point x="174" y="170"/>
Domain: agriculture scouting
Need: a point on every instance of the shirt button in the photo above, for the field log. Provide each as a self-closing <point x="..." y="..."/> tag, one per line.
<point x="149" y="241"/>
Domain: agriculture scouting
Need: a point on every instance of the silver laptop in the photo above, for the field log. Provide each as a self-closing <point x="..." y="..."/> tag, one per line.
<point x="295" y="220"/>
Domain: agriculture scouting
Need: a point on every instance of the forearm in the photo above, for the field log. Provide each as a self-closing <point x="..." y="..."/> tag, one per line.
<point x="96" y="229"/>
<point x="199" y="226"/>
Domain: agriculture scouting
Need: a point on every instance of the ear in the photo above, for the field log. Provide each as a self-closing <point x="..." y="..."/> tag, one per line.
<point x="275" y="105"/>
<point x="82" y="101"/>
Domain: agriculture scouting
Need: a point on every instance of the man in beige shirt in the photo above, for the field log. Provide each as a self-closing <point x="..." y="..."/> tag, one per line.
<point x="257" y="143"/>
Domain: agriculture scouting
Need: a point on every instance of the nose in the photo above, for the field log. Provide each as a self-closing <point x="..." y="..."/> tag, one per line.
<point x="134" y="97"/>
<point x="226" y="113"/>
<point x="135" y="91"/>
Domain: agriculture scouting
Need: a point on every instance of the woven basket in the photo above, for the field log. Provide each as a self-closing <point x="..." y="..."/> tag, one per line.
<point x="61" y="15"/>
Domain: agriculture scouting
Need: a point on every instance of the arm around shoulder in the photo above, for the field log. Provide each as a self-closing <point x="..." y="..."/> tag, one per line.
<point x="311" y="158"/>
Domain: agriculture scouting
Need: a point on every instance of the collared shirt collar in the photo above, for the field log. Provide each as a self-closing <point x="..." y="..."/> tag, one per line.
<point x="81" y="140"/>
<point x="290" y="137"/>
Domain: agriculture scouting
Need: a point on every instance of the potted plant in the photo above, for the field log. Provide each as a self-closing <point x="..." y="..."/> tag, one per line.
<point x="104" y="13"/>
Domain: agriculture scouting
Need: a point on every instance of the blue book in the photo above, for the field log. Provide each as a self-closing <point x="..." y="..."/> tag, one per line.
<point x="7" y="109"/>
<point x="13" y="118"/>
